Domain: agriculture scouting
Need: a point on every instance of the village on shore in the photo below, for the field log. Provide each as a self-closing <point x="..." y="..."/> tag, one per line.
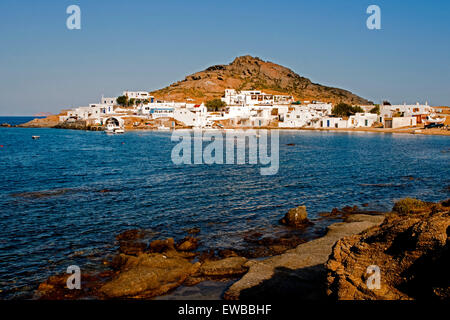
<point x="136" y="110"/>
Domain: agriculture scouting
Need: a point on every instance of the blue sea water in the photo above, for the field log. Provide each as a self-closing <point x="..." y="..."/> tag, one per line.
<point x="64" y="197"/>
<point x="16" y="120"/>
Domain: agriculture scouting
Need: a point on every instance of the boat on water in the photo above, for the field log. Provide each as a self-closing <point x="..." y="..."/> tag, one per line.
<point x="163" y="128"/>
<point x="112" y="129"/>
<point x="35" y="137"/>
<point x="114" y="126"/>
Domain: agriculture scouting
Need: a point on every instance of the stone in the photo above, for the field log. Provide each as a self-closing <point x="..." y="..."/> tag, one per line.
<point x="223" y="268"/>
<point x="409" y="206"/>
<point x="193" y="230"/>
<point x="187" y="244"/>
<point x="149" y="275"/>
<point x="298" y="272"/>
<point x="132" y="247"/>
<point x="411" y="251"/>
<point x="159" y="246"/>
<point x="227" y="253"/>
<point x="297" y="217"/>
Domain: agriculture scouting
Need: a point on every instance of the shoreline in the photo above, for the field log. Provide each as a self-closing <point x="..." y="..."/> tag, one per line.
<point x="213" y="269"/>
<point x="330" y="266"/>
<point x="407" y="130"/>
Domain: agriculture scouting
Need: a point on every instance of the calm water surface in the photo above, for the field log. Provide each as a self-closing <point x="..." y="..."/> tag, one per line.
<point x="63" y="198"/>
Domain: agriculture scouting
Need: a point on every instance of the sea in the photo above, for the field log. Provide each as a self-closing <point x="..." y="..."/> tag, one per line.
<point x="66" y="196"/>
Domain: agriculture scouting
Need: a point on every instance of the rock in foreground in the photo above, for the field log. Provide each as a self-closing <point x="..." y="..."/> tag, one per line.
<point x="149" y="275"/>
<point x="298" y="272"/>
<point x="297" y="217"/>
<point x="411" y="250"/>
<point x="227" y="267"/>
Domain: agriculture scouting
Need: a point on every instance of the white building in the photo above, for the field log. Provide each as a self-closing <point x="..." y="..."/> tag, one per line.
<point x="94" y="111"/>
<point x="298" y="118"/>
<point x="399" y="122"/>
<point x="331" y="122"/>
<point x="304" y="115"/>
<point x="365" y="120"/>
<point x="406" y="110"/>
<point x="194" y="115"/>
<point x="138" y="95"/>
<point x="110" y="101"/>
<point x="254" y="97"/>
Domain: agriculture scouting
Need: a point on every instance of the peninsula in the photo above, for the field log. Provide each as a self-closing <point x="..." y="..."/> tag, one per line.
<point x="249" y="93"/>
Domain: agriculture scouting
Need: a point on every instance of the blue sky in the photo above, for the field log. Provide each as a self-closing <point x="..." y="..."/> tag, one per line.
<point x="146" y="45"/>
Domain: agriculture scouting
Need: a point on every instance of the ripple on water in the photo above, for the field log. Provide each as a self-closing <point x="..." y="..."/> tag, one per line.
<point x="63" y="198"/>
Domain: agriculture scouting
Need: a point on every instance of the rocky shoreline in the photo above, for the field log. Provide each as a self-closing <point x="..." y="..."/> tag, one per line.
<point x="325" y="268"/>
<point x="82" y="125"/>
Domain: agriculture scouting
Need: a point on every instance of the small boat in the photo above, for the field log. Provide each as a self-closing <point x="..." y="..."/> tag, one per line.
<point x="163" y="128"/>
<point x="35" y="137"/>
<point x="432" y="120"/>
<point x="111" y="128"/>
<point x="114" y="131"/>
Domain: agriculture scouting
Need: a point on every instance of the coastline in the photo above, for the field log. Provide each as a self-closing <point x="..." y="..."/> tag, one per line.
<point x="181" y="271"/>
<point x="316" y="270"/>
<point x="408" y="130"/>
<point x="53" y="122"/>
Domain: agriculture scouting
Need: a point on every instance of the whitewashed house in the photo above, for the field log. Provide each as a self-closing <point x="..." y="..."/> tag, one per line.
<point x="406" y="110"/>
<point x="304" y="115"/>
<point x="194" y="115"/>
<point x="331" y="122"/>
<point x="365" y="120"/>
<point x="298" y="118"/>
<point x="109" y="101"/>
<point x="138" y="95"/>
<point x="254" y="97"/>
<point x="399" y="122"/>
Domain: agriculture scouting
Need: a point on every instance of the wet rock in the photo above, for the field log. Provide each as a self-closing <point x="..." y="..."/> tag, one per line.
<point x="119" y="261"/>
<point x="411" y="250"/>
<point x="224" y="268"/>
<point x="55" y="287"/>
<point x="187" y="244"/>
<point x="132" y="234"/>
<point x="348" y="209"/>
<point x="297" y="217"/>
<point x="149" y="275"/>
<point x="409" y="206"/>
<point x="298" y="272"/>
<point x="252" y="236"/>
<point x="193" y="231"/>
<point x="131" y="243"/>
<point x="132" y="247"/>
<point x="227" y="253"/>
<point x="44" y="193"/>
<point x="207" y="255"/>
<point x="159" y="246"/>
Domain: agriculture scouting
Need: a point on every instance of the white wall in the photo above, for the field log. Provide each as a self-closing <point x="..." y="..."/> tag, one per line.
<point x="362" y="120"/>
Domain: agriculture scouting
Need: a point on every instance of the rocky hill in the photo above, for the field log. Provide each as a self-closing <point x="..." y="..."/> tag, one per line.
<point x="251" y="73"/>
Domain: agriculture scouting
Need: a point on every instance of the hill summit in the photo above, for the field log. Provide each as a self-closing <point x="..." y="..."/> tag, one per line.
<point x="252" y="73"/>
